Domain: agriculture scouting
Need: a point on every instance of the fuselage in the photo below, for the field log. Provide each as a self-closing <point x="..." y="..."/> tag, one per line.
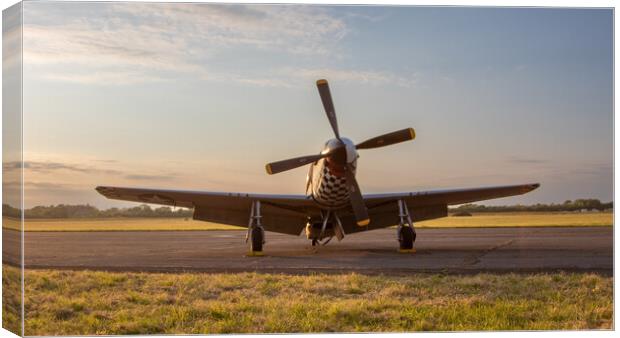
<point x="326" y="181"/>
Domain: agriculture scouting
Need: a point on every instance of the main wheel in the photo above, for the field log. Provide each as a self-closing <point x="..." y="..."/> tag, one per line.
<point x="258" y="237"/>
<point x="406" y="238"/>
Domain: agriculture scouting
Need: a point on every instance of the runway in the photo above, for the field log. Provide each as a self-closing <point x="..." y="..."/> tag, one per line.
<point x="454" y="250"/>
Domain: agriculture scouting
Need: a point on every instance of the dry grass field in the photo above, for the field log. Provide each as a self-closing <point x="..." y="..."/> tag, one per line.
<point x="523" y="219"/>
<point x="88" y="302"/>
<point x="116" y="224"/>
<point x="11" y="301"/>
<point x="154" y="224"/>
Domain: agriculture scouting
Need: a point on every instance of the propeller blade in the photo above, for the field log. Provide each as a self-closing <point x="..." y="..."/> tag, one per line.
<point x="328" y="104"/>
<point x="388" y="139"/>
<point x="284" y="165"/>
<point x="357" y="201"/>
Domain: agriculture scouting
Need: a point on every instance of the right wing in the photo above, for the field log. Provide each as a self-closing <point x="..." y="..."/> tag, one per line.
<point x="280" y="213"/>
<point x="449" y="196"/>
<point x="425" y="205"/>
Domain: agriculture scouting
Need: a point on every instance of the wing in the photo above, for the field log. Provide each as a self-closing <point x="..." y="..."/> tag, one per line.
<point x="449" y="196"/>
<point x="288" y="213"/>
<point x="425" y="205"/>
<point x="281" y="213"/>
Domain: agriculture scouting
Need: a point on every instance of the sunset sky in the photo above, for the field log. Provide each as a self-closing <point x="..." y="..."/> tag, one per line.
<point x="200" y="97"/>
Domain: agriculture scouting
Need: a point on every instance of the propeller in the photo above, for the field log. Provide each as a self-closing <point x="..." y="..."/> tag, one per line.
<point x="284" y="165"/>
<point x="388" y="139"/>
<point x="328" y="104"/>
<point x="339" y="151"/>
<point x="355" y="195"/>
<point x="292" y="163"/>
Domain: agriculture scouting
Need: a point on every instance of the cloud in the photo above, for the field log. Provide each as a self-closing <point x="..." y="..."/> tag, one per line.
<point x="127" y="43"/>
<point x="102" y="77"/>
<point x="525" y="160"/>
<point x="308" y="30"/>
<point x="48" y="167"/>
<point x="50" y="186"/>
<point x="51" y="166"/>
<point x="132" y="43"/>
<point x="593" y="169"/>
<point x="143" y="177"/>
<point x="11" y="40"/>
<point x="366" y="17"/>
<point x="287" y="77"/>
<point x="41" y="185"/>
<point x="10" y="166"/>
<point x="352" y="75"/>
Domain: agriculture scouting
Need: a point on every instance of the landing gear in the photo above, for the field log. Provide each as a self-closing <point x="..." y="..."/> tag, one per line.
<point x="406" y="238"/>
<point x="406" y="233"/>
<point x="256" y="233"/>
<point x="258" y="238"/>
<point x="326" y="229"/>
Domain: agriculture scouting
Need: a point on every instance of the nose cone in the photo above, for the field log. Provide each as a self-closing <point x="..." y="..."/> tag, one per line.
<point x="351" y="151"/>
<point x="331" y="145"/>
<point x="334" y="143"/>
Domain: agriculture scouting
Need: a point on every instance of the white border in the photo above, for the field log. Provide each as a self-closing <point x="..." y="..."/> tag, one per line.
<point x="508" y="3"/>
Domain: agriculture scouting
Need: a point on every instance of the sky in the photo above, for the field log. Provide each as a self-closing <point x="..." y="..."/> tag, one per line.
<point x="201" y="96"/>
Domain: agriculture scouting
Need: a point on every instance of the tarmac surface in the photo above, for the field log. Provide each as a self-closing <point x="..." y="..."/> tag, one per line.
<point x="453" y="250"/>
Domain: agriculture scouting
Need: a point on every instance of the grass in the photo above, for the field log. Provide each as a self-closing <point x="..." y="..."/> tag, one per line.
<point x="523" y="219"/>
<point x="11" y="300"/>
<point x="90" y="302"/>
<point x="115" y="224"/>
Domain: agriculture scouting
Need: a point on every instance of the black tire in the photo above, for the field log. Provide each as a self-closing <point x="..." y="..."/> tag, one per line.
<point x="258" y="237"/>
<point x="407" y="237"/>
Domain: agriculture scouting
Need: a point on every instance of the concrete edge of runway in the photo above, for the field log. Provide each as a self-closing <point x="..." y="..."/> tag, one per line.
<point x="310" y="271"/>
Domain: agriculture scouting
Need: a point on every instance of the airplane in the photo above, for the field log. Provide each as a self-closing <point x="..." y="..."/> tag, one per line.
<point x="333" y="204"/>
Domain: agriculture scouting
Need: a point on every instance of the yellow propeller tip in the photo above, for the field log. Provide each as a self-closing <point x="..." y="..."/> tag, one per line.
<point x="363" y="222"/>
<point x="321" y="82"/>
<point x="412" y="133"/>
<point x="268" y="168"/>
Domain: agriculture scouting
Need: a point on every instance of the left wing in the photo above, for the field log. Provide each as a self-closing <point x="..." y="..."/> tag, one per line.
<point x="281" y="213"/>
<point x="425" y="205"/>
<point x="449" y="196"/>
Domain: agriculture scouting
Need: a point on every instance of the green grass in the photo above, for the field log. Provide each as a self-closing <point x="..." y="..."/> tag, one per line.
<point x="88" y="302"/>
<point x="524" y="219"/>
<point x="11" y="299"/>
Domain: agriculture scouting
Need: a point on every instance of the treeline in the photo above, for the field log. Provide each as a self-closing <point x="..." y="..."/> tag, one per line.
<point x="89" y="211"/>
<point x="576" y="205"/>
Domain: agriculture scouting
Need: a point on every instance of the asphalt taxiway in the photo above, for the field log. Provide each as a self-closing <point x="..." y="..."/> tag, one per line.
<point x="452" y="250"/>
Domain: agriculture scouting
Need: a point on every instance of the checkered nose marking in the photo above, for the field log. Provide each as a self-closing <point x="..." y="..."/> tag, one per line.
<point x="333" y="189"/>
